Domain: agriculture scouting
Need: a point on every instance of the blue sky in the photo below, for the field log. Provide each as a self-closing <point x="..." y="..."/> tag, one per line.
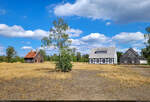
<point x="93" y="23"/>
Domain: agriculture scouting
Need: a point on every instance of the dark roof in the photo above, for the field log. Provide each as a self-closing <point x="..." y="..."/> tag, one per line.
<point x="31" y="54"/>
<point x="135" y="53"/>
<point x="108" y="52"/>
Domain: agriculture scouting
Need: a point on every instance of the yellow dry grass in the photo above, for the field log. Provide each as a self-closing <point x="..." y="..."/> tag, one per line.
<point x="9" y="71"/>
<point x="127" y="76"/>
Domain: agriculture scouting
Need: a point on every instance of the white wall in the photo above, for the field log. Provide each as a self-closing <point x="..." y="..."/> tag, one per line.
<point x="115" y="60"/>
<point x="143" y="61"/>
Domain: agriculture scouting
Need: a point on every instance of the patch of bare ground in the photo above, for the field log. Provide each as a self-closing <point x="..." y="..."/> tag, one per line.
<point x="84" y="82"/>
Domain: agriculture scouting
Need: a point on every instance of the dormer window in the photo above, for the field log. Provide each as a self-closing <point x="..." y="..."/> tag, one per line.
<point x="100" y="52"/>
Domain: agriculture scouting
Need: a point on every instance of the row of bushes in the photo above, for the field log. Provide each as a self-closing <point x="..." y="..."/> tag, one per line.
<point x="14" y="59"/>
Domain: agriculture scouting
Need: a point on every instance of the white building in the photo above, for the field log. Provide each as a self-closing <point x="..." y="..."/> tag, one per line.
<point x="103" y="55"/>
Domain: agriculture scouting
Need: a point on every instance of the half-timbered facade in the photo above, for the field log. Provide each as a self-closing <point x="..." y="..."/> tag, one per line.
<point x="132" y="57"/>
<point x="103" y="55"/>
<point x="33" y="57"/>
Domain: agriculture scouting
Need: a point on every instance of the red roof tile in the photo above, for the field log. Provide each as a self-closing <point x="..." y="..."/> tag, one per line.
<point x="31" y="54"/>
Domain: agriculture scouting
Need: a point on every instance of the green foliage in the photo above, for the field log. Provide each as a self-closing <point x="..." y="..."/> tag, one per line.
<point x="14" y="59"/>
<point x="10" y="52"/>
<point x="54" y="58"/>
<point x="119" y="54"/>
<point x="60" y="40"/>
<point x="11" y="56"/>
<point x="63" y="64"/>
<point x="3" y="59"/>
<point x="43" y="53"/>
<point x="85" y="58"/>
<point x="146" y="51"/>
<point x="78" y="56"/>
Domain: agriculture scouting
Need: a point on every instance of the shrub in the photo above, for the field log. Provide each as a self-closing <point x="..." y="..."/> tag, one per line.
<point x="64" y="62"/>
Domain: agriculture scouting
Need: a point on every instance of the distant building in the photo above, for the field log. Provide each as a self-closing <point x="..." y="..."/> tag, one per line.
<point x="34" y="57"/>
<point x="103" y="55"/>
<point x="132" y="57"/>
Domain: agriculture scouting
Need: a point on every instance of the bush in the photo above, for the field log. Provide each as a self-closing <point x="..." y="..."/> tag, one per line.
<point x="64" y="62"/>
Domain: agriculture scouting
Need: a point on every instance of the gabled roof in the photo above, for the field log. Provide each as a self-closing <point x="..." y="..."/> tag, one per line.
<point x="110" y="52"/>
<point x="31" y="54"/>
<point x="132" y="51"/>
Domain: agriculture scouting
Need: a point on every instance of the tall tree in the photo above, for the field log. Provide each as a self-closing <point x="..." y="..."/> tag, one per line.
<point x="10" y="52"/>
<point x="60" y="39"/>
<point x="146" y="51"/>
<point x="78" y="56"/>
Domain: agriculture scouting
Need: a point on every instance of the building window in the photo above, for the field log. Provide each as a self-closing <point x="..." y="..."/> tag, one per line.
<point x="110" y="60"/>
<point x="99" y="52"/>
<point x="97" y="60"/>
<point x="91" y="60"/>
<point x="106" y="59"/>
<point x="103" y="60"/>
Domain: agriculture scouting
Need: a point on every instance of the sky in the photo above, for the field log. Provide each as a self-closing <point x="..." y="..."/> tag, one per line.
<point x="92" y="23"/>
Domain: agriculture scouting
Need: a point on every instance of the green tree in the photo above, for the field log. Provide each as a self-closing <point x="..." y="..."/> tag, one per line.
<point x="43" y="53"/>
<point x="78" y="56"/>
<point x="60" y="40"/>
<point x="3" y="59"/>
<point x="73" y="55"/>
<point x="10" y="52"/>
<point x="146" y="51"/>
<point x="85" y="58"/>
<point x="119" y="54"/>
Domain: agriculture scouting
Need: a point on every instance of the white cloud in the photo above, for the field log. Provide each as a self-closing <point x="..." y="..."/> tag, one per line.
<point x="2" y="11"/>
<point x="129" y="38"/>
<point x="95" y="38"/>
<point x="18" y="31"/>
<point x="120" y="11"/>
<point x="28" y="42"/>
<point x="1" y="50"/>
<point x="77" y="42"/>
<point x="47" y="48"/>
<point x="108" y="23"/>
<point x="26" y="48"/>
<point x="74" y="32"/>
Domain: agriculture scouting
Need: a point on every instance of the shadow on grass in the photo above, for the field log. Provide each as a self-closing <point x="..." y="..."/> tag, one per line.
<point x="136" y="66"/>
<point x="45" y="70"/>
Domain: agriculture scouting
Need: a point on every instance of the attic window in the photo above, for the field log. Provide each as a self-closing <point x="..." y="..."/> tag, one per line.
<point x="100" y="52"/>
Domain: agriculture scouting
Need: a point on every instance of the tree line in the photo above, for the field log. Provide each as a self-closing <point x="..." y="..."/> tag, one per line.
<point x="11" y="56"/>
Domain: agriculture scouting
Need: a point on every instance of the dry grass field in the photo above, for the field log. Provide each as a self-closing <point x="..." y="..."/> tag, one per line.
<point x="85" y="82"/>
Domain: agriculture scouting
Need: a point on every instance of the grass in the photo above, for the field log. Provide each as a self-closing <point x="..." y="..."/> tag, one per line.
<point x="9" y="71"/>
<point x="125" y="75"/>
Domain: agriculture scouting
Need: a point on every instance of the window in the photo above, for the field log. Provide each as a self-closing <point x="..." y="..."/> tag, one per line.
<point x="110" y="60"/>
<point x="99" y="52"/>
<point x="103" y="60"/>
<point x="91" y="60"/>
<point x="97" y="60"/>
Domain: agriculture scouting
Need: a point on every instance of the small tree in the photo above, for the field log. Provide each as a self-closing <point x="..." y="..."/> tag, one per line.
<point x="146" y="51"/>
<point x="10" y="52"/>
<point x="119" y="54"/>
<point x="60" y="39"/>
